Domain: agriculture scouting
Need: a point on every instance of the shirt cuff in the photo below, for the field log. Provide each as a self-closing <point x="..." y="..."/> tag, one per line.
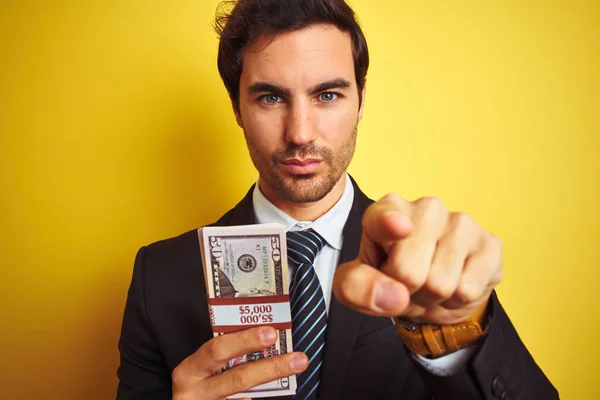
<point x="449" y="364"/>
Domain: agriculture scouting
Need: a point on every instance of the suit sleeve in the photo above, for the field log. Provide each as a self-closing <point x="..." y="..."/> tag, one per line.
<point x="142" y="372"/>
<point x="502" y="368"/>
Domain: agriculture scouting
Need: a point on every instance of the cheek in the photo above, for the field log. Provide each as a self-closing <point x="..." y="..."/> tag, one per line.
<point x="257" y="121"/>
<point x="336" y="126"/>
<point x="263" y="131"/>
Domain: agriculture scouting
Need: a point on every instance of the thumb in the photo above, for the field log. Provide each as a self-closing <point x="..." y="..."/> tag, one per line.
<point x="369" y="291"/>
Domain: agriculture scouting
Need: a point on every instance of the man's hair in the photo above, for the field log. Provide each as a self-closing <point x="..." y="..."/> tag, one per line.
<point x="239" y="23"/>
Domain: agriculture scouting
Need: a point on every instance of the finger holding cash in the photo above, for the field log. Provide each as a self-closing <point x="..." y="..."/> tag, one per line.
<point x="197" y="376"/>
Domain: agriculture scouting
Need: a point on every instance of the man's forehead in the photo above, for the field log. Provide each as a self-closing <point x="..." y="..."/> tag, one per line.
<point x="308" y="56"/>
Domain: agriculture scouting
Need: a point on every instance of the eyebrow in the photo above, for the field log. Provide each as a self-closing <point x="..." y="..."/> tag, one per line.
<point x="265" y="87"/>
<point x="262" y="87"/>
<point x="338" y="83"/>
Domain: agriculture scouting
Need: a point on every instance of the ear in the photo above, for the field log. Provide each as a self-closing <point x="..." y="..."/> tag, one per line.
<point x="362" y="104"/>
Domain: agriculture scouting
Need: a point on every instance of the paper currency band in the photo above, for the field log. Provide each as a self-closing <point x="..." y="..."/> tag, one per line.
<point x="228" y="301"/>
<point x="236" y="328"/>
<point x="250" y="314"/>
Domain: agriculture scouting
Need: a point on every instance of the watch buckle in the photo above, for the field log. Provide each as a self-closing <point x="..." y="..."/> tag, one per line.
<point x="405" y="323"/>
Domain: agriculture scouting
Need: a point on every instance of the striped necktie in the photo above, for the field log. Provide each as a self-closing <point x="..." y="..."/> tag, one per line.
<point x="309" y="314"/>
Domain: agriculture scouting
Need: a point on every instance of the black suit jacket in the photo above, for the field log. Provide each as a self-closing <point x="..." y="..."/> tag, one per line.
<point x="166" y="319"/>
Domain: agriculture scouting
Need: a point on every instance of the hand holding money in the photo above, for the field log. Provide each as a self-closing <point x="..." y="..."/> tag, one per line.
<point x="246" y="276"/>
<point x="196" y="376"/>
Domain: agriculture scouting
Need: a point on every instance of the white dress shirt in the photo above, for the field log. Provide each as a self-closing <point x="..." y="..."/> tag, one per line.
<point x="330" y="226"/>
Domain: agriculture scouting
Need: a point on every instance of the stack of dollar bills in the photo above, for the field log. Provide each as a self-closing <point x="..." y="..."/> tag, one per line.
<point x="246" y="275"/>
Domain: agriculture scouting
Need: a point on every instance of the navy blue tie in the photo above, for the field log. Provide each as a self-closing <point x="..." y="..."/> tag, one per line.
<point x="309" y="314"/>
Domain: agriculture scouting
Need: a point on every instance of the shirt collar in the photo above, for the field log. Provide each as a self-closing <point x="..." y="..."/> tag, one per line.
<point x="330" y="225"/>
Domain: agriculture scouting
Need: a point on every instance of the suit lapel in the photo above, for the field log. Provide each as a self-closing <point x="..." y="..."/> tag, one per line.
<point x="241" y="214"/>
<point x="344" y="323"/>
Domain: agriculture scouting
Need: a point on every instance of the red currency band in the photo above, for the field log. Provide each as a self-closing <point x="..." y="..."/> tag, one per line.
<point x="236" y="328"/>
<point x="228" y="301"/>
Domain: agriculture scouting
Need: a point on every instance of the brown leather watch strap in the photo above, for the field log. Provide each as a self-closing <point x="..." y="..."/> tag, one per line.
<point x="439" y="340"/>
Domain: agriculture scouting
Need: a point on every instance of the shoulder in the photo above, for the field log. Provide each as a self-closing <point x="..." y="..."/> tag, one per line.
<point x="173" y="266"/>
<point x="179" y="249"/>
<point x="361" y="200"/>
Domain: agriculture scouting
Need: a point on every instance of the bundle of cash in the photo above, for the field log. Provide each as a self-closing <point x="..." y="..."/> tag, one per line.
<point x="246" y="275"/>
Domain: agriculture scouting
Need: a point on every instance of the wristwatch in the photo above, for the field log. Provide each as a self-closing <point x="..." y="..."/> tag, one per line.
<point x="438" y="340"/>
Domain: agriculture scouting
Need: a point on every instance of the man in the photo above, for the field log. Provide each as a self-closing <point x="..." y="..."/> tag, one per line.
<point x="295" y="72"/>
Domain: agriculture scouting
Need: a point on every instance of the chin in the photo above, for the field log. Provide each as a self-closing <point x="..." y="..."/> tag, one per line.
<point x="307" y="188"/>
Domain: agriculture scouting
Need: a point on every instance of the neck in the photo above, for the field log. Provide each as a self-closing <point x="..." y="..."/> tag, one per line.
<point x="306" y="211"/>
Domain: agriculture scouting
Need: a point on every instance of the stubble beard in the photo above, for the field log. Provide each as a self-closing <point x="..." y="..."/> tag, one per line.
<point x="307" y="188"/>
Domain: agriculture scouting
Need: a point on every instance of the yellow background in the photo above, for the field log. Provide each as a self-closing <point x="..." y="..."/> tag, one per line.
<point x="116" y="131"/>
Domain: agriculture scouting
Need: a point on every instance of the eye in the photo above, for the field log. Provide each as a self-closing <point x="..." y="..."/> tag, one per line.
<point x="328" y="97"/>
<point x="271" y="99"/>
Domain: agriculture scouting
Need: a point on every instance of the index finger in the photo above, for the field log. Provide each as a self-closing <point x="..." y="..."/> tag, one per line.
<point x="214" y="354"/>
<point x="246" y="376"/>
<point x="387" y="220"/>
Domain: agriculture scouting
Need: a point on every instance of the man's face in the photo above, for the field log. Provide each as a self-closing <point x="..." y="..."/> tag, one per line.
<point x="299" y="109"/>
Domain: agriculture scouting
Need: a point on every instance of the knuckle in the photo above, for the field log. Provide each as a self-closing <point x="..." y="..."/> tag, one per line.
<point x="179" y="375"/>
<point x="430" y="203"/>
<point x="182" y="396"/>
<point x="440" y="287"/>
<point x="462" y="228"/>
<point x="418" y="279"/>
<point x="250" y="336"/>
<point x="390" y="197"/>
<point x="213" y="348"/>
<point x="431" y="208"/>
<point x="463" y="220"/>
<point x="495" y="242"/>
<point x="280" y="367"/>
<point x="214" y="385"/>
<point x="497" y="278"/>
<point x="407" y="265"/>
<point x="492" y="247"/>
<point x="238" y="380"/>
<point x="414" y="278"/>
<point x="468" y="293"/>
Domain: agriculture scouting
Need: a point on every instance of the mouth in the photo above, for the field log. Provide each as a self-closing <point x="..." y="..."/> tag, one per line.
<point x="301" y="167"/>
<point x="297" y="161"/>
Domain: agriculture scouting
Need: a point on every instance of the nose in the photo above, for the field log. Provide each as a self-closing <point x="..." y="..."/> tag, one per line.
<point x="300" y="124"/>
